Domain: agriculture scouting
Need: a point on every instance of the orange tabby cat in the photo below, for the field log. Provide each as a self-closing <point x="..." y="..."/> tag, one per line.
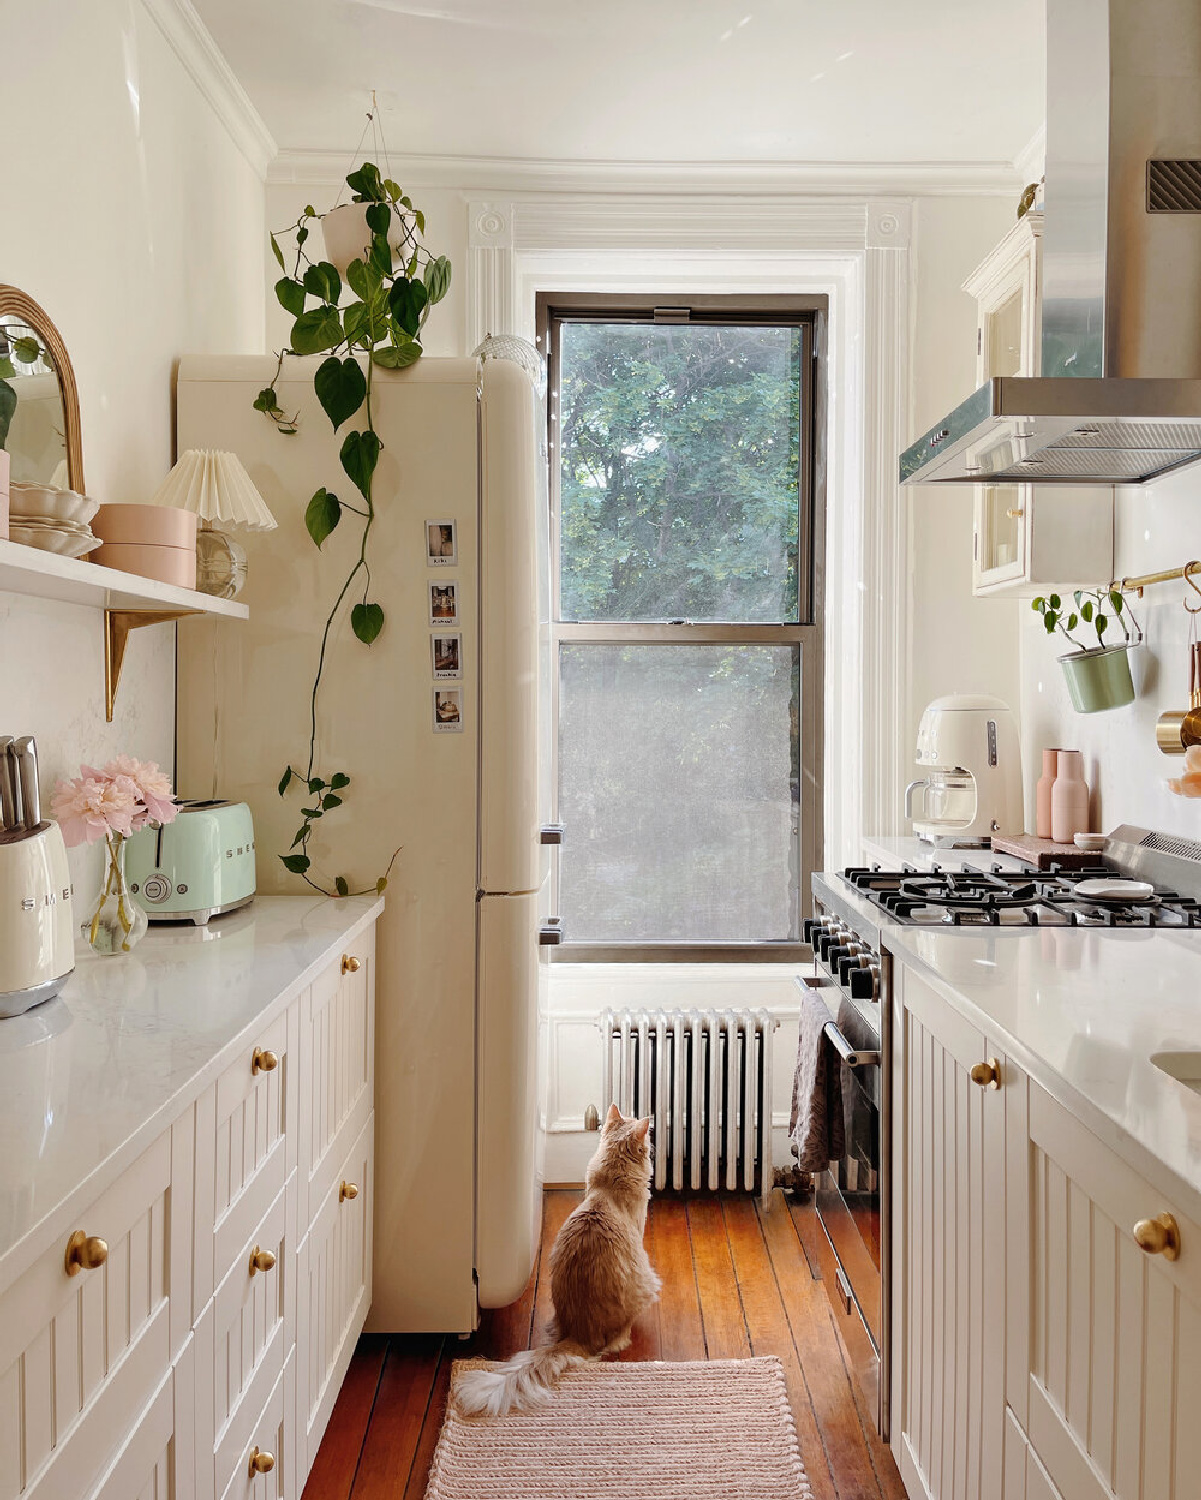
<point x="600" y="1277"/>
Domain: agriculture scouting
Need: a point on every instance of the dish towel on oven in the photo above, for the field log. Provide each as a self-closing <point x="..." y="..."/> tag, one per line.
<point x="817" y="1131"/>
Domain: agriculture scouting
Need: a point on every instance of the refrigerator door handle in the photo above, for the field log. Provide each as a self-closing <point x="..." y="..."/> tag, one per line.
<point x="551" y="833"/>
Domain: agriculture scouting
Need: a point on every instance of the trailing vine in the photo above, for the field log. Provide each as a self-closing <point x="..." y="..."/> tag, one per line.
<point x="393" y="288"/>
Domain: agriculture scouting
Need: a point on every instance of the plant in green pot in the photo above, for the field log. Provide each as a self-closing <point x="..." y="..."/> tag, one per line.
<point x="1098" y="676"/>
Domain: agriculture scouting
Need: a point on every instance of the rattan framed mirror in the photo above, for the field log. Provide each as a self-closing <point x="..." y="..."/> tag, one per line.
<point x="39" y="431"/>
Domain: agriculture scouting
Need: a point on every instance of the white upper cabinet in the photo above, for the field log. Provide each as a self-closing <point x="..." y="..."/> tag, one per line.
<point x="1028" y="536"/>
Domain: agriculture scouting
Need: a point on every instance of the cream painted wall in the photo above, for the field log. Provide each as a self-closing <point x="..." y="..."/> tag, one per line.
<point x="1156" y="526"/>
<point x="133" y="218"/>
<point x="958" y="643"/>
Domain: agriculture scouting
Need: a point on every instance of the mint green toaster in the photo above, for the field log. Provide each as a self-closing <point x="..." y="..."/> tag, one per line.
<point x="195" y="868"/>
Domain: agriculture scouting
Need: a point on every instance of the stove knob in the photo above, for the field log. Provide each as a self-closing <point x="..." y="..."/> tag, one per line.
<point x="865" y="983"/>
<point x="851" y="964"/>
<point x="812" y="926"/>
<point x="825" y="941"/>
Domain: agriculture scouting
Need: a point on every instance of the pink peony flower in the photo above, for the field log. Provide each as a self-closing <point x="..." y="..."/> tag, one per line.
<point x="90" y="808"/>
<point x="120" y="799"/>
<point x="153" y="786"/>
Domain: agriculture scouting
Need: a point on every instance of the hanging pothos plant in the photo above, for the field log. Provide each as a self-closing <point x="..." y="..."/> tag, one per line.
<point x="393" y="285"/>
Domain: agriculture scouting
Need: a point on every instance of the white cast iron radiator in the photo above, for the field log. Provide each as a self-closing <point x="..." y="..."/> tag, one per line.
<point x="705" y="1080"/>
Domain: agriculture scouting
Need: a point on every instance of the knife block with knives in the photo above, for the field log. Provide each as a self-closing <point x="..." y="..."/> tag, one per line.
<point x="37" y="925"/>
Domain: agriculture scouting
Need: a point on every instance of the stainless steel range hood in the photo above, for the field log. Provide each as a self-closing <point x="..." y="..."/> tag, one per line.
<point x="1119" y="399"/>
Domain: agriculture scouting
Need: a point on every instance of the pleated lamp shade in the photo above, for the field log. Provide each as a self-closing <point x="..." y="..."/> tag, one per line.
<point x="218" y="489"/>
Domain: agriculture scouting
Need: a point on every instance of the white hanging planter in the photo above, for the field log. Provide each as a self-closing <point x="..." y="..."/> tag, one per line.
<point x="347" y="234"/>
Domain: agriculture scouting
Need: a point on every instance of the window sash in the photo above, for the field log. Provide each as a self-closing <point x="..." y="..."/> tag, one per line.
<point x="806" y="632"/>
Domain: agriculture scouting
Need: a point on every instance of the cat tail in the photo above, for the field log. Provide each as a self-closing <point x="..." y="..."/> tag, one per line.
<point x="526" y="1380"/>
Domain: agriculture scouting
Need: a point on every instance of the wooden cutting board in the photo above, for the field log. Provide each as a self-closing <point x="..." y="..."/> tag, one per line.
<point x="1043" y="853"/>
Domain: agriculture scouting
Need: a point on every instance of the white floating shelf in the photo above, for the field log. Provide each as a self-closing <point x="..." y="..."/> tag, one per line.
<point x="46" y="575"/>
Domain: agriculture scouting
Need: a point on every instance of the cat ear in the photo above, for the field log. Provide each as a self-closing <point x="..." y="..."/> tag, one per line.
<point x="614" y="1115"/>
<point x="641" y="1129"/>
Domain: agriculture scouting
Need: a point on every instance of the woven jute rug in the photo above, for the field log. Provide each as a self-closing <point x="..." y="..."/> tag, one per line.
<point x="653" y="1431"/>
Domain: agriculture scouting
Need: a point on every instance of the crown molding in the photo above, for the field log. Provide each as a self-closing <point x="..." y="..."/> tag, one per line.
<point x="484" y="175"/>
<point x="192" y="42"/>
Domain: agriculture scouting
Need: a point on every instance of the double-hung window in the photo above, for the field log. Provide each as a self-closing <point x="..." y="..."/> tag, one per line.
<point x="685" y="469"/>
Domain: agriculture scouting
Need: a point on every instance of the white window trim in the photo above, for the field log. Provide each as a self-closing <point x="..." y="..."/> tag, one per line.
<point x="855" y="251"/>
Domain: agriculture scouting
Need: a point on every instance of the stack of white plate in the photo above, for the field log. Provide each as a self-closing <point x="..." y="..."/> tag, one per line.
<point x="54" y="520"/>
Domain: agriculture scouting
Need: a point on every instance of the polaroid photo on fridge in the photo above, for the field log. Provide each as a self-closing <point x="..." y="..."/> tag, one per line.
<point x="448" y="655"/>
<point x="441" y="544"/>
<point x="448" y="710"/>
<point x="444" y="604"/>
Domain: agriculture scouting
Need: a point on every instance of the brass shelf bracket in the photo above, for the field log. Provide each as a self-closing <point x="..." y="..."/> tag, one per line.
<point x="117" y="625"/>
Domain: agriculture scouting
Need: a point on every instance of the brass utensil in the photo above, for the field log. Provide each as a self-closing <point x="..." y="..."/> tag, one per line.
<point x="1176" y="731"/>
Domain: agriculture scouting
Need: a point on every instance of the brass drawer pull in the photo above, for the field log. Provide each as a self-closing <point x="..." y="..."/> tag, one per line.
<point x="261" y="1260"/>
<point x="84" y="1253"/>
<point x="261" y="1462"/>
<point x="1159" y="1236"/>
<point x="987" y="1074"/>
<point x="348" y="1190"/>
<point x="263" y="1061"/>
<point x="350" y="964"/>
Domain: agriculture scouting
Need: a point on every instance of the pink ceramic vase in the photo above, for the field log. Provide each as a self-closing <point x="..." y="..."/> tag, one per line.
<point x="1042" y="796"/>
<point x="1069" y="797"/>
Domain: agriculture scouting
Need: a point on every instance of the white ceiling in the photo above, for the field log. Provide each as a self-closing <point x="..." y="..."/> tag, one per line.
<point x="646" y="80"/>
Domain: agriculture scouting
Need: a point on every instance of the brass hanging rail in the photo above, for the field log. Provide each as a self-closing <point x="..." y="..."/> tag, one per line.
<point x="1140" y="581"/>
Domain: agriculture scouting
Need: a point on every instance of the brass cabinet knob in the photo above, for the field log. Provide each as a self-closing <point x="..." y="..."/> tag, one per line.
<point x="263" y="1061"/>
<point x="1159" y="1236"/>
<point x="261" y="1260"/>
<point x="1016" y="513"/>
<point x="350" y="964"/>
<point x="987" y="1074"/>
<point x="261" y="1462"/>
<point x="84" y="1253"/>
<point x="348" y="1190"/>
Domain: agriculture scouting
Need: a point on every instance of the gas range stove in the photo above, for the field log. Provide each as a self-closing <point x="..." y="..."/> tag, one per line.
<point x="996" y="898"/>
<point x="972" y="893"/>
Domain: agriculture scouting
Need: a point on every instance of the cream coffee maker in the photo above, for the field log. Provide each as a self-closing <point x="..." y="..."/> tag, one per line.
<point x="971" y="786"/>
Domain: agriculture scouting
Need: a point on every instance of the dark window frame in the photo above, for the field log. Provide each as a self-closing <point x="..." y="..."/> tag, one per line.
<point x="806" y="635"/>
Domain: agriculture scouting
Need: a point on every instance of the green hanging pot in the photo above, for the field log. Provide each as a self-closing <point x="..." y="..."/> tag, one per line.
<point x="1098" y="679"/>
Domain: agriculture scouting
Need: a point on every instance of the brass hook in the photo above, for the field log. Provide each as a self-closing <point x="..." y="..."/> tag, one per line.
<point x="1189" y="570"/>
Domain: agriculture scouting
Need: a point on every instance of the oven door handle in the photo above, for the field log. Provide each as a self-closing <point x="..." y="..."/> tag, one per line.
<point x="850" y="1055"/>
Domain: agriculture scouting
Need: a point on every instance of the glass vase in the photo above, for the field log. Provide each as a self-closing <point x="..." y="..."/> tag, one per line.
<point x="117" y="923"/>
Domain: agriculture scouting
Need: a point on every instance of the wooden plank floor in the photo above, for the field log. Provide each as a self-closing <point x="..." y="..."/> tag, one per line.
<point x="737" y="1280"/>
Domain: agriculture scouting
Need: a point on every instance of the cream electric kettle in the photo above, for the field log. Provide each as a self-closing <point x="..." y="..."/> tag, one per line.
<point x="37" y="928"/>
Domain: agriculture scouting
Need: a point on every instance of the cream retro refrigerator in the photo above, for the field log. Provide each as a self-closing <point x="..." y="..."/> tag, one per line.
<point x="463" y="935"/>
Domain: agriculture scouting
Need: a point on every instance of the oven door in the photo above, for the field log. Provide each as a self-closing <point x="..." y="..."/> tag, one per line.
<point x="849" y="1200"/>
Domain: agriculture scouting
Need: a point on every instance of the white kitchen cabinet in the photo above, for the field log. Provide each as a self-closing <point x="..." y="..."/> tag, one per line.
<point x="82" y="1354"/>
<point x="334" y="1290"/>
<point x="1109" y="1394"/>
<point x="336" y="1068"/>
<point x="1025" y="536"/>
<point x="173" y="1356"/>
<point x="948" y="1432"/>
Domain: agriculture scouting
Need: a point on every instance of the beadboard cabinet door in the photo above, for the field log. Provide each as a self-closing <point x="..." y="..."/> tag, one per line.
<point x="1111" y="1402"/>
<point x="951" y="1243"/>
<point x="334" y="1291"/>
<point x="337" y="1068"/>
<point x="80" y="1355"/>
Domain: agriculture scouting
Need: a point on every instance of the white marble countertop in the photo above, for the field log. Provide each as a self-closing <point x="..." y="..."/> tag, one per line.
<point x="892" y="850"/>
<point x="1084" y="1010"/>
<point x="89" y="1079"/>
